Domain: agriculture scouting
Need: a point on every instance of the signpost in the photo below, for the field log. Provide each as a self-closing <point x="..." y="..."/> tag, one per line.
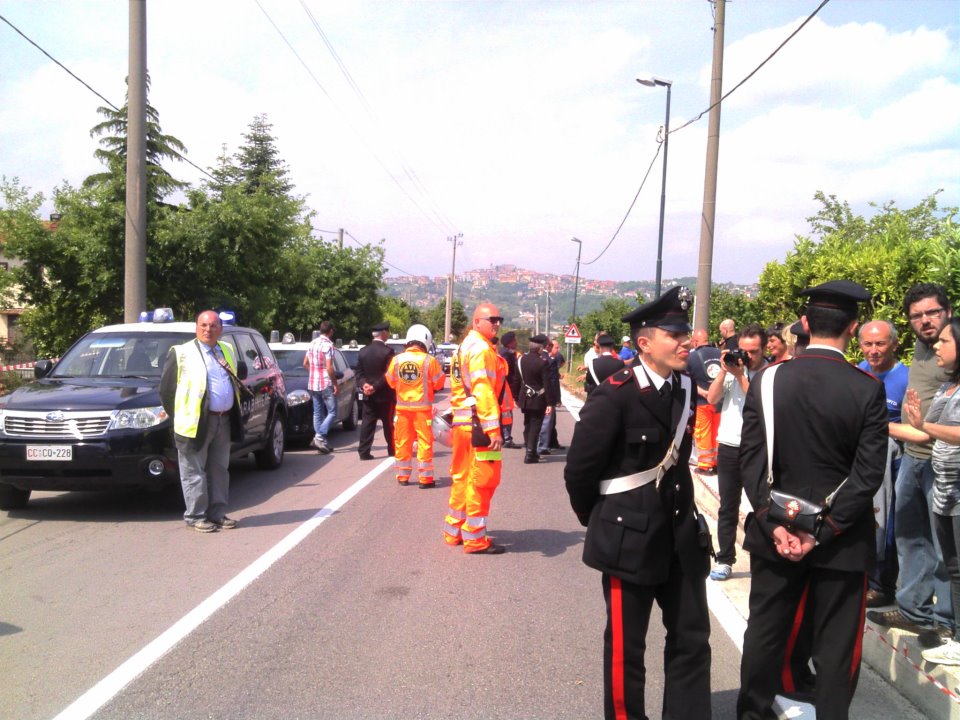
<point x="571" y="336"/>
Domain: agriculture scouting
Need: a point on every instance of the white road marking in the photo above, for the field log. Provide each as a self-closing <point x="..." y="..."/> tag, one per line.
<point x="105" y="690"/>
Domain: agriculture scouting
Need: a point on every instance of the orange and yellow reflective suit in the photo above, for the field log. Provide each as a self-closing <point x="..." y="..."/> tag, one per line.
<point x="477" y="378"/>
<point x="415" y="376"/>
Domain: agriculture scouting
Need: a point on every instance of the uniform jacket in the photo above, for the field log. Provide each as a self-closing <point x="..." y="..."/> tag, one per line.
<point x="372" y="362"/>
<point x="604" y="366"/>
<point x="623" y="430"/>
<point x="830" y="422"/>
<point x="415" y="376"/>
<point x="170" y="379"/>
<point x="477" y="377"/>
<point x="513" y="377"/>
<point x="535" y="373"/>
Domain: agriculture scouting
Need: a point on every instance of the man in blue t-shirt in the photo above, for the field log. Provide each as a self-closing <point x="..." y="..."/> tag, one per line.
<point x="878" y="341"/>
<point x="627" y="353"/>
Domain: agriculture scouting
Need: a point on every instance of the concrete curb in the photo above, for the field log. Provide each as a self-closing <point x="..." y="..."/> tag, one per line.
<point x="893" y="654"/>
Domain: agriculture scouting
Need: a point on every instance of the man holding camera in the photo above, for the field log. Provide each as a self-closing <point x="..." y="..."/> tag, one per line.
<point x="730" y="387"/>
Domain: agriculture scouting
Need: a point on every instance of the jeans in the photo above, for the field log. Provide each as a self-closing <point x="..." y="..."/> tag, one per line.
<point x="324" y="410"/>
<point x="948" y="535"/>
<point x="923" y="574"/>
<point x="543" y="443"/>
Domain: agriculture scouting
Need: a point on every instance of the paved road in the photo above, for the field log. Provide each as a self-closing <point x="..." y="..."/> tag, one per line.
<point x="336" y="598"/>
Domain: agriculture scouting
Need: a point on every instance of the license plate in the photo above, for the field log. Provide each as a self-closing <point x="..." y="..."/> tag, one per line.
<point x="50" y="452"/>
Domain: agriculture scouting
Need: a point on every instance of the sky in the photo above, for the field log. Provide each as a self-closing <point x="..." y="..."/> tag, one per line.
<point x="517" y="124"/>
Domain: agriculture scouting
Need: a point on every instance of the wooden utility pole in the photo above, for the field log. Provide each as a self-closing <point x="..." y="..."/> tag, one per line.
<point x="701" y="308"/>
<point x="135" y="235"/>
<point x="453" y="273"/>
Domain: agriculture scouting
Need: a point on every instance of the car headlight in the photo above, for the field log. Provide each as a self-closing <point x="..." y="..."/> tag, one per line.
<point x="297" y="397"/>
<point x="138" y="418"/>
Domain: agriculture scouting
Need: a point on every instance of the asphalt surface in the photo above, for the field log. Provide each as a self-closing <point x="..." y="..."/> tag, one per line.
<point x="333" y="599"/>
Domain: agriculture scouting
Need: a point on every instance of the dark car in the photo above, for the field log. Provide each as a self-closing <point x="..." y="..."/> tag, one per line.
<point x="93" y="420"/>
<point x="300" y="417"/>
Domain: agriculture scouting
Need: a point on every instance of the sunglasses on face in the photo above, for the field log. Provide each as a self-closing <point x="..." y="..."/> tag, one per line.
<point x="494" y="320"/>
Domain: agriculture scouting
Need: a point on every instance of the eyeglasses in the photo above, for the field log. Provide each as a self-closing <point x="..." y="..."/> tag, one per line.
<point x="928" y="314"/>
<point x="493" y="320"/>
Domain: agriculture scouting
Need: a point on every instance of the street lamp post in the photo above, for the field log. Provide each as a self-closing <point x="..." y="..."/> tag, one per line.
<point x="576" y="286"/>
<point x="653" y="82"/>
<point x="448" y="315"/>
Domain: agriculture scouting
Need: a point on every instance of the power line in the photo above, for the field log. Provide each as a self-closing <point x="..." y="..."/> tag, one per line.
<point x="88" y="87"/>
<point x="755" y="70"/>
<point x="362" y="244"/>
<point x="354" y="129"/>
<point x="629" y="209"/>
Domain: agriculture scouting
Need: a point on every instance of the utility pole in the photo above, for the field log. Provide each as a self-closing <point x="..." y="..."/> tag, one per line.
<point x="547" y="313"/>
<point x="135" y="232"/>
<point x="576" y="286"/>
<point x="453" y="273"/>
<point x="701" y="307"/>
<point x="340" y="238"/>
<point x="536" y="318"/>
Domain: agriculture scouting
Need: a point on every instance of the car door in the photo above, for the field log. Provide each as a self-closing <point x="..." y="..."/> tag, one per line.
<point x="256" y="411"/>
<point x="346" y="385"/>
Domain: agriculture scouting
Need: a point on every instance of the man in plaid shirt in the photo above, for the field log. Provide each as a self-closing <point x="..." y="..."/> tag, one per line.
<point x="322" y="384"/>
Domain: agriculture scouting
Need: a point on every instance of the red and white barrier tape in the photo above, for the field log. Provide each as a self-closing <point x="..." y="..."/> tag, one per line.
<point x="904" y="655"/>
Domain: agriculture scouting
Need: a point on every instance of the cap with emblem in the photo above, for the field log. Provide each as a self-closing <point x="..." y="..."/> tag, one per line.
<point x="381" y="327"/>
<point x="625" y="339"/>
<point x="605" y="341"/>
<point x="669" y="312"/>
<point x="838" y="294"/>
<point x="508" y="337"/>
<point x="540" y="339"/>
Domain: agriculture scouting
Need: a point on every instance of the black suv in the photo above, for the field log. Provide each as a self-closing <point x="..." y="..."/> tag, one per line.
<point x="93" y="420"/>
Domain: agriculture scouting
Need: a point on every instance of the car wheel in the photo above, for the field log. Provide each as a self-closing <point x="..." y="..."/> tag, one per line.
<point x="350" y="423"/>
<point x="12" y="498"/>
<point x="271" y="456"/>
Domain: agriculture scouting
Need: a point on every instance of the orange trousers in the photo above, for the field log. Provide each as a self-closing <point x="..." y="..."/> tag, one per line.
<point x="705" y="435"/>
<point x="410" y="425"/>
<point x="474" y="476"/>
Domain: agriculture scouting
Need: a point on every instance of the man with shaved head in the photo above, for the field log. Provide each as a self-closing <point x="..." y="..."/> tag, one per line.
<point x="477" y="385"/>
<point x="878" y="342"/>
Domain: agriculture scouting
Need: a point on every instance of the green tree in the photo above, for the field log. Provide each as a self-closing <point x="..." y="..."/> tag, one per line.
<point x="399" y="314"/>
<point x="323" y="282"/>
<point x="112" y="152"/>
<point x="887" y="254"/>
<point x="435" y="319"/>
<point x="606" y="319"/>
<point x="726" y="304"/>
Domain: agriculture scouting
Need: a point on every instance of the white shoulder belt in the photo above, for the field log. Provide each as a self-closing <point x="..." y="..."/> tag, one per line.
<point x="654" y="474"/>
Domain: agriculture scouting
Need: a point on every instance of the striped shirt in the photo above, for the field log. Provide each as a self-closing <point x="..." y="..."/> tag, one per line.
<point x="945" y="410"/>
<point x="319" y="352"/>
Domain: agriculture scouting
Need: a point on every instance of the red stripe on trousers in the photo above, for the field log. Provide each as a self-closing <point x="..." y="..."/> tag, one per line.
<point x="616" y="660"/>
<point x="786" y="673"/>
<point x="858" y="647"/>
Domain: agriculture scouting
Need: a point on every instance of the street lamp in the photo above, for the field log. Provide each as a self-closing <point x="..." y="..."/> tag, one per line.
<point x="653" y="81"/>
<point x="576" y="285"/>
<point x="448" y="315"/>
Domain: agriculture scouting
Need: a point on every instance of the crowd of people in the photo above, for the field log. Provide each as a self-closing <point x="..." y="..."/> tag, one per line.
<point x="855" y="495"/>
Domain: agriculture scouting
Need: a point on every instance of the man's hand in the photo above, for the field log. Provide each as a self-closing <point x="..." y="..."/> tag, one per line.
<point x="807" y="542"/>
<point x="367" y="389"/>
<point x="336" y="390"/>
<point x="789" y="546"/>
<point x="549" y="410"/>
<point x="496" y="442"/>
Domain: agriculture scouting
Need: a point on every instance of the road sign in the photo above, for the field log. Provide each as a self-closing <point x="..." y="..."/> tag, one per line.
<point x="572" y="335"/>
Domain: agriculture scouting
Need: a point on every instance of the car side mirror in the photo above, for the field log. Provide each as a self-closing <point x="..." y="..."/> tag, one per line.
<point x="42" y="368"/>
<point x="242" y="370"/>
<point x="338" y="374"/>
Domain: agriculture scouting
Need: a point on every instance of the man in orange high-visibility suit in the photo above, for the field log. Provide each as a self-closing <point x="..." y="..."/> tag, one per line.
<point x="415" y="376"/>
<point x="477" y="383"/>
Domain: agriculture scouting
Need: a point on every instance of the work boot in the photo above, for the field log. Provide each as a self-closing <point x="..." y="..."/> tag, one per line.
<point x="531" y="458"/>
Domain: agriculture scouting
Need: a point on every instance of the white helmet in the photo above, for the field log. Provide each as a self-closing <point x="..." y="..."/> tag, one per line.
<point x="441" y="426"/>
<point x="421" y="334"/>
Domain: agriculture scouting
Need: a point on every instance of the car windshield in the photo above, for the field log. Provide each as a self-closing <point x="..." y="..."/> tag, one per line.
<point x="290" y="361"/>
<point x="119" y="355"/>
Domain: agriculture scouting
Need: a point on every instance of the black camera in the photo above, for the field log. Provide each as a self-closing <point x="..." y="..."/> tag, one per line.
<point x="735" y="357"/>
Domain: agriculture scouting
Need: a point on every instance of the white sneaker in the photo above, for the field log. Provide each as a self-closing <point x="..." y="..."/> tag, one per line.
<point x="721" y="571"/>
<point x="946" y="654"/>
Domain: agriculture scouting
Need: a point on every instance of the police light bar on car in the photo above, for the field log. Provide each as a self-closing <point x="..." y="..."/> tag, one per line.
<point x="228" y="317"/>
<point x="160" y="315"/>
